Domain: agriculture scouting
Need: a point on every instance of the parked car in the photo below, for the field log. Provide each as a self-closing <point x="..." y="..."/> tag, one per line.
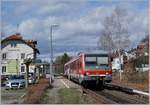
<point x="3" y="80"/>
<point x="15" y="81"/>
<point x="31" y="78"/>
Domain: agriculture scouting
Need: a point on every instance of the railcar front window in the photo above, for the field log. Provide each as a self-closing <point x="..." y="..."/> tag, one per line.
<point x="102" y="61"/>
<point x="96" y="62"/>
<point x="90" y="59"/>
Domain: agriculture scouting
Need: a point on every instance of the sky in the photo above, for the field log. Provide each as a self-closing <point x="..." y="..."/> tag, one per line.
<point x="79" y="22"/>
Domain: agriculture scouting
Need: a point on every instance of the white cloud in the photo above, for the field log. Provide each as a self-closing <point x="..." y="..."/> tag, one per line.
<point x="48" y="7"/>
<point x="77" y="26"/>
<point x="138" y="26"/>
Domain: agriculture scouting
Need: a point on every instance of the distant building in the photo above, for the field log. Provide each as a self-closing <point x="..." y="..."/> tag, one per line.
<point x="142" y="55"/>
<point x="14" y="49"/>
<point x="142" y="49"/>
<point x="131" y="54"/>
<point x="117" y="62"/>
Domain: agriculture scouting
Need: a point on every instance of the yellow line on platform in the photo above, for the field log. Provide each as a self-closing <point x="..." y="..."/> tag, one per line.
<point x="65" y="84"/>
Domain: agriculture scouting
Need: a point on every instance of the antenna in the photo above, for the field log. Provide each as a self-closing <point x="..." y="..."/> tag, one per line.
<point x="2" y="35"/>
<point x="17" y="30"/>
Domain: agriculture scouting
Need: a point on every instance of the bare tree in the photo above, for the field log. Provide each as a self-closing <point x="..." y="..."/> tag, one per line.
<point x="105" y="41"/>
<point x="114" y="34"/>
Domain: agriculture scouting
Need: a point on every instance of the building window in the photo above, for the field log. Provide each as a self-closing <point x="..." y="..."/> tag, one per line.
<point x="13" y="44"/>
<point x="22" y="68"/>
<point x="22" y="55"/>
<point x="4" y="56"/>
<point x="3" y="69"/>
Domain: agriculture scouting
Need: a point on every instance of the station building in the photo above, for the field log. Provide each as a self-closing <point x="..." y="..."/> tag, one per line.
<point x="14" y="50"/>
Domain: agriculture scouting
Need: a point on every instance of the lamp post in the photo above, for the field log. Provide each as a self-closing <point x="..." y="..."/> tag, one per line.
<point x="51" y="49"/>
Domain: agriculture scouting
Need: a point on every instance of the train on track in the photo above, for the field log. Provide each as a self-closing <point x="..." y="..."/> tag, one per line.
<point x="90" y="68"/>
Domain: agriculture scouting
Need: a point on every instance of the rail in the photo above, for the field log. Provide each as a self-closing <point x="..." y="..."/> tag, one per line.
<point x="98" y="98"/>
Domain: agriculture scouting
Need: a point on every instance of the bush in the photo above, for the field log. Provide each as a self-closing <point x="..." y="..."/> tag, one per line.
<point x="142" y="60"/>
<point x="137" y="77"/>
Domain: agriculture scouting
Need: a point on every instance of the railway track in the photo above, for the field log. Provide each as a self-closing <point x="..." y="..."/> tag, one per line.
<point x="97" y="97"/>
<point x="114" y="97"/>
<point x="115" y="94"/>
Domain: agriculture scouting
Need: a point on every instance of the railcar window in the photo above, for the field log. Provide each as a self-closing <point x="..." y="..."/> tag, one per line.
<point x="102" y="60"/>
<point x="90" y="59"/>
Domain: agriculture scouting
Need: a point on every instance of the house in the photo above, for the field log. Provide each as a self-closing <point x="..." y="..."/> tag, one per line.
<point x="14" y="49"/>
<point x="142" y="55"/>
<point x="142" y="49"/>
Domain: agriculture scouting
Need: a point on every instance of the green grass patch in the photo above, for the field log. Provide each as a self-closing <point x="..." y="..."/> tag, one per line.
<point x="70" y="96"/>
<point x="45" y="97"/>
<point x="11" y="95"/>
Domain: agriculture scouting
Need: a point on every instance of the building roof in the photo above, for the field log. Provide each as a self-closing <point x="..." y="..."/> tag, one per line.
<point x="17" y="36"/>
<point x="141" y="45"/>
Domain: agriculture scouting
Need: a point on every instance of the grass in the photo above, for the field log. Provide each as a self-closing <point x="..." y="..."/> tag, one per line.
<point x="13" y="91"/>
<point x="45" y="97"/>
<point x="11" y="95"/>
<point x="70" y="96"/>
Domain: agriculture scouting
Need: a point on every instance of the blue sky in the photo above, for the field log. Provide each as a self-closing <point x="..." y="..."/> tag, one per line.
<point x="80" y="21"/>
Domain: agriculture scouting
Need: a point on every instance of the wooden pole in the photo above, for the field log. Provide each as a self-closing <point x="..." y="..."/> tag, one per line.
<point x="26" y="76"/>
<point x="27" y="63"/>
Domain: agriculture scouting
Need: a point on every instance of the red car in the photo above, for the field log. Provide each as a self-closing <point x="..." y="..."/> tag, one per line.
<point x="90" y="68"/>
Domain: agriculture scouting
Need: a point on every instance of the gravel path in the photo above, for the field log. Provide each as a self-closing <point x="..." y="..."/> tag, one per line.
<point x="62" y="83"/>
<point x="53" y="93"/>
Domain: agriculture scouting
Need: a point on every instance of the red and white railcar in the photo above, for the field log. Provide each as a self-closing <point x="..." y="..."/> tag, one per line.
<point x="90" y="68"/>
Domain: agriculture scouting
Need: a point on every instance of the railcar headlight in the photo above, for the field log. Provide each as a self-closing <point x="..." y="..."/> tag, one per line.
<point x="107" y="73"/>
<point x="87" y="73"/>
<point x="82" y="76"/>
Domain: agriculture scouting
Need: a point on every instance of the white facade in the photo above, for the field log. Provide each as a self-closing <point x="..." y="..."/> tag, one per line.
<point x="116" y="63"/>
<point x="15" y="56"/>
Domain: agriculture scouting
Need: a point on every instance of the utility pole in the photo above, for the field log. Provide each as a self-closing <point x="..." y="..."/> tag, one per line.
<point x="120" y="71"/>
<point x="51" y="49"/>
<point x="17" y="62"/>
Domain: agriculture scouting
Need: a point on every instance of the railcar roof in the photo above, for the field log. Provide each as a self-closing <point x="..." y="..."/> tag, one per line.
<point x="91" y="52"/>
<point x="97" y="52"/>
<point x="73" y="59"/>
